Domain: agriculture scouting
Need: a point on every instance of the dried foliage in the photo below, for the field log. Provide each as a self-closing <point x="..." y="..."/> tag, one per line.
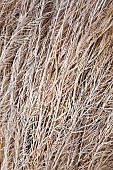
<point x="56" y="84"/>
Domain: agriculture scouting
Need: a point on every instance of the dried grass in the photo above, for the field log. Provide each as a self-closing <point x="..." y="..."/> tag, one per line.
<point x="56" y="84"/>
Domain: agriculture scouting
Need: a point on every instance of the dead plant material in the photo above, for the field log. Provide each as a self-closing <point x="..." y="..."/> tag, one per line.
<point x="56" y="84"/>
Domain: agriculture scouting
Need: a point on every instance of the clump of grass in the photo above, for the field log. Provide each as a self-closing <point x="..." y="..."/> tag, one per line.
<point x="56" y="85"/>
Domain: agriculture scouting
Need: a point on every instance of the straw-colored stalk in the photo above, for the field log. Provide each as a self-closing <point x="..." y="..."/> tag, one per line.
<point x="56" y="84"/>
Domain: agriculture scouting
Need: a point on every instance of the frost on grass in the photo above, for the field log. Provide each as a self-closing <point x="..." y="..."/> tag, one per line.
<point x="56" y="84"/>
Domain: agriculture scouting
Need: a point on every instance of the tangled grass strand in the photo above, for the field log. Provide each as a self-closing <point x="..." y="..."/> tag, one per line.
<point x="56" y="84"/>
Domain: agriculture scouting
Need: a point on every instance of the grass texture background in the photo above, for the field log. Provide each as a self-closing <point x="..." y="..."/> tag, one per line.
<point x="56" y="84"/>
